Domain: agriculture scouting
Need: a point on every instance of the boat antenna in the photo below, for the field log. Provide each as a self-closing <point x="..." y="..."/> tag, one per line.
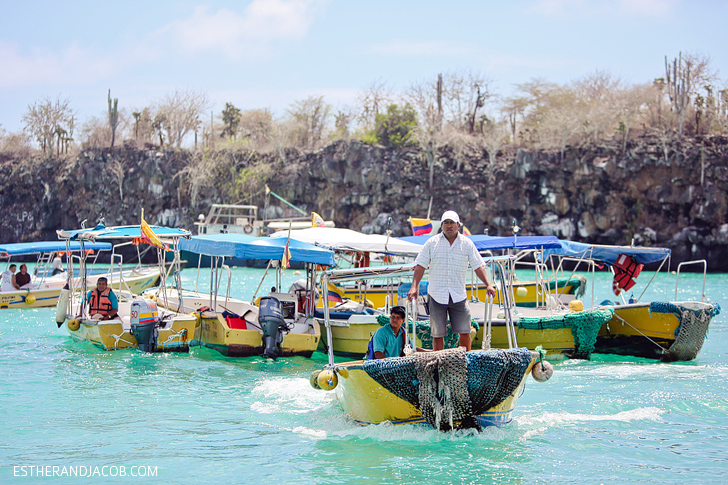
<point x="429" y="208"/>
<point x="389" y="231"/>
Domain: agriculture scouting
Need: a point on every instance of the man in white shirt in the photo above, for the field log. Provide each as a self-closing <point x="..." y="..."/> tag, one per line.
<point x="447" y="255"/>
<point x="7" y="276"/>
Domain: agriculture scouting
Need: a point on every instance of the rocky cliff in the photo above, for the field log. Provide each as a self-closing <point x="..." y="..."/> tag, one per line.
<point x="651" y="193"/>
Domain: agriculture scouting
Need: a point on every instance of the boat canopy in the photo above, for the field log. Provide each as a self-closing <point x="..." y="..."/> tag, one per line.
<point x="43" y="247"/>
<point x="607" y="254"/>
<point x="250" y="247"/>
<point x="484" y="243"/>
<point x="348" y="240"/>
<point x="101" y="232"/>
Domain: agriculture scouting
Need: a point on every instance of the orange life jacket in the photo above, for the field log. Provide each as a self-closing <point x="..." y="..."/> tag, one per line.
<point x="100" y="302"/>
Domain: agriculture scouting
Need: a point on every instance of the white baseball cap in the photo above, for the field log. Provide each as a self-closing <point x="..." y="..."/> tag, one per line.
<point x="451" y="215"/>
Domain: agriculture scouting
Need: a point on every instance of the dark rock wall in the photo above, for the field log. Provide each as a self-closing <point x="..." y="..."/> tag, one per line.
<point x="674" y="196"/>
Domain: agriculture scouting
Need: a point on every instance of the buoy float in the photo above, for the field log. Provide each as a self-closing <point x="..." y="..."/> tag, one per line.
<point x="576" y="305"/>
<point x="74" y="324"/>
<point x="327" y="380"/>
<point x="521" y="291"/>
<point x="61" y="306"/>
<point x="29" y="299"/>
<point x="542" y="371"/>
<point x="313" y="379"/>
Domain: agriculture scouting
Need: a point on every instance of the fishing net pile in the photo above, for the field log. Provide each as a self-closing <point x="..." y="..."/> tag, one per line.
<point x="423" y="332"/>
<point x="690" y="333"/>
<point x="584" y="327"/>
<point x="452" y="386"/>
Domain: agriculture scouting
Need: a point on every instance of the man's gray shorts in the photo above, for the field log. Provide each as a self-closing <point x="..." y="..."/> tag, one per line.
<point x="459" y="317"/>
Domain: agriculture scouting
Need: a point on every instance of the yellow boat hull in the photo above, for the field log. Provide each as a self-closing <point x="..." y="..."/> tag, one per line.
<point x="213" y="331"/>
<point x="47" y="297"/>
<point x="351" y="337"/>
<point x="527" y="296"/>
<point x="113" y="335"/>
<point x="559" y="343"/>
<point x="367" y="402"/>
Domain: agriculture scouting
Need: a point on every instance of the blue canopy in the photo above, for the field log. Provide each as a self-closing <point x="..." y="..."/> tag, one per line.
<point x="120" y="232"/>
<point x="250" y="247"/>
<point x="608" y="254"/>
<point x="483" y="242"/>
<point x="17" y="249"/>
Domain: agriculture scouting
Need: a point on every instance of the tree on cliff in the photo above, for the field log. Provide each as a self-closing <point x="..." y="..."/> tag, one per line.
<point x="308" y="119"/>
<point x="394" y="128"/>
<point x="47" y="121"/>
<point x="230" y="120"/>
<point x="113" y="117"/>
<point x="684" y="77"/>
<point x="372" y="101"/>
<point x="178" y="114"/>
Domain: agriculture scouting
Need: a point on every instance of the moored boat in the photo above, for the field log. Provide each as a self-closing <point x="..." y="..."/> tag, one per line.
<point x="666" y="329"/>
<point x="138" y="323"/>
<point x="447" y="389"/>
<point x="281" y="324"/>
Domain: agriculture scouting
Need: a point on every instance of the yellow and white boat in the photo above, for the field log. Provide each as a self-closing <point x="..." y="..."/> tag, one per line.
<point x="667" y="329"/>
<point x="171" y="332"/>
<point x="281" y="324"/>
<point x="138" y="324"/>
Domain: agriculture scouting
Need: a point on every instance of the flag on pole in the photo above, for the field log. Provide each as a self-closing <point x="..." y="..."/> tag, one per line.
<point x="149" y="236"/>
<point x="317" y="220"/>
<point x="286" y="260"/>
<point x="420" y="226"/>
<point x="335" y="293"/>
<point x="466" y="231"/>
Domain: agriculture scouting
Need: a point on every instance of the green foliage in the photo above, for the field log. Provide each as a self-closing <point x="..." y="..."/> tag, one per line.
<point x="394" y="128"/>
<point x="231" y="119"/>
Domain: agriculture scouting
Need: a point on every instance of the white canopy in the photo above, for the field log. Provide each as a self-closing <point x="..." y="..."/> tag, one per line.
<point x="348" y="240"/>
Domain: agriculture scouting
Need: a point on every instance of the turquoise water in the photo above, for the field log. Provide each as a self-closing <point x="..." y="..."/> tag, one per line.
<point x="204" y="418"/>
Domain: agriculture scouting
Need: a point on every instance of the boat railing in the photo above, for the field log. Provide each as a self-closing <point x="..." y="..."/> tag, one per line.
<point x="692" y="263"/>
<point x="590" y="265"/>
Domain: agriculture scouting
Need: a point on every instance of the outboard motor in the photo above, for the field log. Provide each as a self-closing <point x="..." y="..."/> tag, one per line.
<point x="274" y="326"/>
<point x="144" y="323"/>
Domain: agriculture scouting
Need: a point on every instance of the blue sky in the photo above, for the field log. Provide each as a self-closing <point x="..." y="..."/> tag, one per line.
<point x="270" y="53"/>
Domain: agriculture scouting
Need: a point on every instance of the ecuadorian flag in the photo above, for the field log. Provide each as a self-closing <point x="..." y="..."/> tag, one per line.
<point x="420" y="226"/>
<point x="335" y="293"/>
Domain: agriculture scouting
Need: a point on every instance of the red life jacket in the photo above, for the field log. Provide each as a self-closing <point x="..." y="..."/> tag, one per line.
<point x="625" y="269"/>
<point x="100" y="302"/>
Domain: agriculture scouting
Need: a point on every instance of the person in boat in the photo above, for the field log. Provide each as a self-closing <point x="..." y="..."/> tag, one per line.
<point x="102" y="301"/>
<point x="447" y="256"/>
<point x="390" y="340"/>
<point x="8" y="277"/>
<point x="57" y="266"/>
<point x="21" y="280"/>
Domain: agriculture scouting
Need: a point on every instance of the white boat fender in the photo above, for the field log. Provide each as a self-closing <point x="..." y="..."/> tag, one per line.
<point x="542" y="371"/>
<point x="62" y="306"/>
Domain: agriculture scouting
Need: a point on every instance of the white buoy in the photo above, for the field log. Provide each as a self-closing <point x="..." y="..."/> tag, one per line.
<point x="542" y="371"/>
<point x="62" y="306"/>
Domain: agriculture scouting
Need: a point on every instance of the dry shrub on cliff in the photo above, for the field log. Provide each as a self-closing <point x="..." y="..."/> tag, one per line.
<point x="226" y="176"/>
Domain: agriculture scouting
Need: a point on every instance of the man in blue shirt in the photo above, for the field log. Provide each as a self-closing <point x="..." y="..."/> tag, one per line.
<point x="389" y="340"/>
